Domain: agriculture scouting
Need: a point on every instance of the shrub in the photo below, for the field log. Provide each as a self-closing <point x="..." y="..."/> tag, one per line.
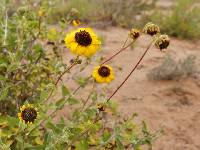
<point x="171" y="69"/>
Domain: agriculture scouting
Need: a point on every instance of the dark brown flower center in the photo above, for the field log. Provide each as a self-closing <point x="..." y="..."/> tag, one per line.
<point x="164" y="45"/>
<point x="83" y="38"/>
<point x="152" y="32"/>
<point x="104" y="71"/>
<point x="29" y="114"/>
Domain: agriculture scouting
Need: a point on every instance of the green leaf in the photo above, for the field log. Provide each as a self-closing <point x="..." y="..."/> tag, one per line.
<point x="82" y="81"/>
<point x="3" y="65"/>
<point x="48" y="138"/>
<point x="53" y="127"/>
<point x="20" y="142"/>
<point x="12" y="121"/>
<point x="144" y="128"/>
<point x="4" y="92"/>
<point x="72" y="101"/>
<point x="38" y="48"/>
<point x="106" y="136"/>
<point x="19" y="139"/>
<point x="22" y="126"/>
<point x="65" y="91"/>
<point x="94" y="95"/>
<point x="60" y="103"/>
<point x="44" y="94"/>
<point x="82" y="145"/>
<point x="120" y="146"/>
<point x="2" y="78"/>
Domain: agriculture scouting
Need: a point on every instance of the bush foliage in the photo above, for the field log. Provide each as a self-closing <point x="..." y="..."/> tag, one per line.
<point x="31" y="69"/>
<point x="183" y="21"/>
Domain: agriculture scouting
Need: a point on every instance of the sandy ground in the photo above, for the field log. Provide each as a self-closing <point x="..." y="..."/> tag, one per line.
<point x="176" y="111"/>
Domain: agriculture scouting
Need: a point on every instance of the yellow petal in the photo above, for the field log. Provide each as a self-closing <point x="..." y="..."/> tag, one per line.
<point x="73" y="47"/>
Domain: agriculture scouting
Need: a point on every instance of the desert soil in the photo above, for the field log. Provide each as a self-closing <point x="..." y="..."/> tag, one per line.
<point x="171" y="105"/>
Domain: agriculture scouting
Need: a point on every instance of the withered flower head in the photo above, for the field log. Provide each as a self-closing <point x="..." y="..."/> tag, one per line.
<point x="151" y="29"/>
<point x="134" y="33"/>
<point x="101" y="107"/>
<point x="162" y="42"/>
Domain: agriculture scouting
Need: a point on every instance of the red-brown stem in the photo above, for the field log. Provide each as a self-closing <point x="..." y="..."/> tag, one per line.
<point x="134" y="68"/>
<point x="125" y="41"/>
<point x="89" y="96"/>
<point x="68" y="69"/>
<point x="121" y="50"/>
<point x="59" y="78"/>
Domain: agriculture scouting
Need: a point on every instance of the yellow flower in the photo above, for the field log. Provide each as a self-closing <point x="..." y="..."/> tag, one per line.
<point x="103" y="74"/>
<point x="28" y="114"/>
<point x="76" y="23"/>
<point x="83" y="42"/>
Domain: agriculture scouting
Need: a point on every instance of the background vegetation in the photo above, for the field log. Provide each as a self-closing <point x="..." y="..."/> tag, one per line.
<point x="31" y="66"/>
<point x="181" y="20"/>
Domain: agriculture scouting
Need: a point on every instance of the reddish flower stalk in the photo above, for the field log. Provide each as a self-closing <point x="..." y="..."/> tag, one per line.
<point x="121" y="50"/>
<point x="68" y="69"/>
<point x="128" y="76"/>
<point x="59" y="78"/>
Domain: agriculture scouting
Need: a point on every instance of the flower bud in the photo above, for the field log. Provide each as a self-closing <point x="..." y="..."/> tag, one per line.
<point x="101" y="107"/>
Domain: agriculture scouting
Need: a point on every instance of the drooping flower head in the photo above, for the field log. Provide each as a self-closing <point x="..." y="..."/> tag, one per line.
<point x="162" y="42"/>
<point x="101" y="106"/>
<point x="134" y="33"/>
<point x="103" y="74"/>
<point x="82" y="42"/>
<point x="28" y="114"/>
<point x="151" y="29"/>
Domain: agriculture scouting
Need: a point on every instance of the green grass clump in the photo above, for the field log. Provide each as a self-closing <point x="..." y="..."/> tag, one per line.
<point x="183" y="21"/>
<point x="125" y="13"/>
